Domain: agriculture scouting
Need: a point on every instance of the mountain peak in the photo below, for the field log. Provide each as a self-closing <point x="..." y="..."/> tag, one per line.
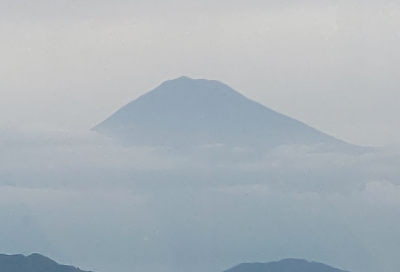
<point x="192" y="112"/>
<point x="32" y="263"/>
<point x="40" y="258"/>
<point x="285" y="265"/>
<point x="181" y="78"/>
<point x="194" y="87"/>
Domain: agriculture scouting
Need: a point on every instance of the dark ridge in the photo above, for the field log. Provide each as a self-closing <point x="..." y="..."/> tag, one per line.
<point x="39" y="263"/>
<point x="286" y="265"/>
<point x="32" y="263"/>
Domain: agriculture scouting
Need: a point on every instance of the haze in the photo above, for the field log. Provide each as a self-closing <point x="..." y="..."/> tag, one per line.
<point x="84" y="199"/>
<point x="330" y="64"/>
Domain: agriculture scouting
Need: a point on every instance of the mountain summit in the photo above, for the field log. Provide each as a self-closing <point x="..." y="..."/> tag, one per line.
<point x="286" y="265"/>
<point x="32" y="263"/>
<point x="39" y="263"/>
<point x="193" y="112"/>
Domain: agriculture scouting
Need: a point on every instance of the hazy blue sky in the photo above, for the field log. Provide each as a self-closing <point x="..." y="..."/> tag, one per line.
<point x="331" y="64"/>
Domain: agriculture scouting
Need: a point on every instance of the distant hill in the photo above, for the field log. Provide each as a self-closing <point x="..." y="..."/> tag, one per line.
<point x="286" y="265"/>
<point x="32" y="263"/>
<point x="39" y="263"/>
<point x="189" y="112"/>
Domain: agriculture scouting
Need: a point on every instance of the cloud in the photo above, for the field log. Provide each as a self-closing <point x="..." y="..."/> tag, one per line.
<point x="37" y="157"/>
<point x="106" y="207"/>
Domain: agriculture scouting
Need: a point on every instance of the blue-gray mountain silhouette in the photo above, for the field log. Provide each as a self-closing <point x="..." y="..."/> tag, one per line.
<point x="191" y="112"/>
<point x="286" y="265"/>
<point x="39" y="263"/>
<point x="32" y="263"/>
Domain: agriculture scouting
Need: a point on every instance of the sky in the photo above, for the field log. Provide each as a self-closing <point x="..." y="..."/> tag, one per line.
<point x="82" y="199"/>
<point x="331" y="64"/>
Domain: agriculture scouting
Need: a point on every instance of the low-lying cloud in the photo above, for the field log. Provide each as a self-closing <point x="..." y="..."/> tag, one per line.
<point x="82" y="199"/>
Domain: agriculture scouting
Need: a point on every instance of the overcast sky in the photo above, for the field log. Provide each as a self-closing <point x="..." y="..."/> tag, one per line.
<point x="330" y="64"/>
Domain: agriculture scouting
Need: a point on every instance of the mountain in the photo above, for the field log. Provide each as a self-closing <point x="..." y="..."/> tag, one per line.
<point x="286" y="265"/>
<point x="39" y="263"/>
<point x="187" y="112"/>
<point x="32" y="263"/>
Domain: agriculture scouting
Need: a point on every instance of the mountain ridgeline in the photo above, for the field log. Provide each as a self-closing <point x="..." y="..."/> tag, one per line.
<point x="32" y="263"/>
<point x="189" y="112"/>
<point x="286" y="265"/>
<point x="39" y="263"/>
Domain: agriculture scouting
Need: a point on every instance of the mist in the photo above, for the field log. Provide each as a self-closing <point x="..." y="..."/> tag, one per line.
<point x="330" y="64"/>
<point x="85" y="200"/>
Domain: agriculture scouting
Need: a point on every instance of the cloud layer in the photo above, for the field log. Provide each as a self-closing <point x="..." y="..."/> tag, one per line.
<point x="82" y="199"/>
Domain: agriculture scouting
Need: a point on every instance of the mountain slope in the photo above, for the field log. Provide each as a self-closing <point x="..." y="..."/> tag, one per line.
<point x="190" y="112"/>
<point x="39" y="263"/>
<point x="32" y="263"/>
<point x="286" y="265"/>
